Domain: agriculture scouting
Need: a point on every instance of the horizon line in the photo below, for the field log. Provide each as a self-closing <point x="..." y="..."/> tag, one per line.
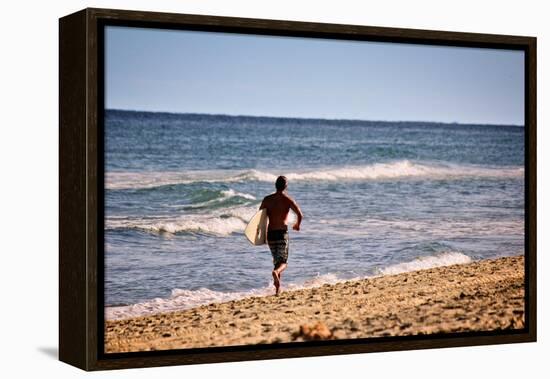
<point x="317" y="118"/>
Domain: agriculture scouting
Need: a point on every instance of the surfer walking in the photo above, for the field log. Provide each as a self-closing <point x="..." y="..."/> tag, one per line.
<point x="278" y="206"/>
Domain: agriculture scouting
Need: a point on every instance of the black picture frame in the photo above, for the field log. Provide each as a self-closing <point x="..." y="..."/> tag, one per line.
<point x="81" y="184"/>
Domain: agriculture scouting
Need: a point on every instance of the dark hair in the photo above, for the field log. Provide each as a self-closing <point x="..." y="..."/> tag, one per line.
<point x="281" y="183"/>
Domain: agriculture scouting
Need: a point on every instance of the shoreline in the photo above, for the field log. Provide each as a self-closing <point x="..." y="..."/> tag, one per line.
<point x="479" y="296"/>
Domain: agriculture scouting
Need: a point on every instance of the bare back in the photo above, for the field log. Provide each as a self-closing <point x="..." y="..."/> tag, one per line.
<point x="278" y="205"/>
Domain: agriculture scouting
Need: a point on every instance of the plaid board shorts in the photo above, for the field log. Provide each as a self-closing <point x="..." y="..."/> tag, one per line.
<point x="278" y="242"/>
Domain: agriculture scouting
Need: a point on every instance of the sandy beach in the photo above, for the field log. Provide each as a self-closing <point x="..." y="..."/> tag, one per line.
<point x="480" y="296"/>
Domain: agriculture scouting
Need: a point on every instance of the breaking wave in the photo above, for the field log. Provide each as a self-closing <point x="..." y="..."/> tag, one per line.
<point x="378" y="171"/>
<point x="422" y="263"/>
<point x="222" y="223"/>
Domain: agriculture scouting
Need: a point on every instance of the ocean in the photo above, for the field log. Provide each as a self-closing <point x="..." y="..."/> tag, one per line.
<point x="378" y="198"/>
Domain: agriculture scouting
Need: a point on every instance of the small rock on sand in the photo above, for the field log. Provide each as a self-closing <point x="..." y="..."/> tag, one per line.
<point x="318" y="331"/>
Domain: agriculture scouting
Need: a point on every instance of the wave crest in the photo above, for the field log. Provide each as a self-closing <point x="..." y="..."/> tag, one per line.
<point x="422" y="263"/>
<point x="376" y="171"/>
<point x="219" y="224"/>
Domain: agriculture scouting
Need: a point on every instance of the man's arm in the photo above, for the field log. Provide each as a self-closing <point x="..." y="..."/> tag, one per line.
<point x="296" y="209"/>
<point x="263" y="204"/>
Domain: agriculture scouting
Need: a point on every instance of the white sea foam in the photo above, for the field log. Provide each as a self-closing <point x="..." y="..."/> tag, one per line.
<point x="231" y="193"/>
<point x="225" y="195"/>
<point x="221" y="223"/>
<point x="422" y="263"/>
<point x="378" y="171"/>
<point x="405" y="169"/>
<point x="182" y="299"/>
<point x="152" y="179"/>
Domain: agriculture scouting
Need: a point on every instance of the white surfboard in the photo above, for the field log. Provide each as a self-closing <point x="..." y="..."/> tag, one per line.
<point x="256" y="230"/>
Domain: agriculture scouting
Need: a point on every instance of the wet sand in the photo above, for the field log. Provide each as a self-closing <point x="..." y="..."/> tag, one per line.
<point x="480" y="296"/>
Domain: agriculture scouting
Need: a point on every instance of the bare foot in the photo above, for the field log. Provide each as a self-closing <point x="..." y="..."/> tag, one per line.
<point x="276" y="282"/>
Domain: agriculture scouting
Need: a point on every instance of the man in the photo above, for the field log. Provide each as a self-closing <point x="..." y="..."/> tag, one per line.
<point x="278" y="205"/>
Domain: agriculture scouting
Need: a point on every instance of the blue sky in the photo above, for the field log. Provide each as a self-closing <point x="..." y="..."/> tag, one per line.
<point x="235" y="74"/>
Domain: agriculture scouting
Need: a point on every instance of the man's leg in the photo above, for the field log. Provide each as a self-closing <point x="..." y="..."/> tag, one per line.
<point x="279" y="251"/>
<point x="280" y="269"/>
<point x="277" y="272"/>
<point x="276" y="281"/>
